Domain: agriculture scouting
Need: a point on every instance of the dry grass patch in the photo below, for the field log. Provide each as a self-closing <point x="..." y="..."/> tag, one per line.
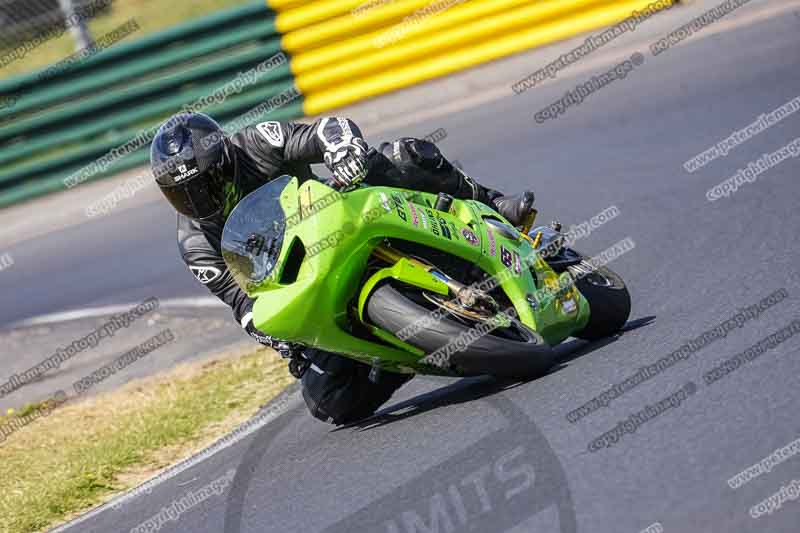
<point x="83" y="453"/>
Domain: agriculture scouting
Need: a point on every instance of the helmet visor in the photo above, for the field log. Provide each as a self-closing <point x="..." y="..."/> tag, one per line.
<point x="200" y="197"/>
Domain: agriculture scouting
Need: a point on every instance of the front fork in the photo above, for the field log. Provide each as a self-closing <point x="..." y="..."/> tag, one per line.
<point x="414" y="272"/>
<point x="467" y="296"/>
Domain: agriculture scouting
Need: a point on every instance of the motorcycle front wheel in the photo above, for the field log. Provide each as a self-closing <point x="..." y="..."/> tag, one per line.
<point x="508" y="352"/>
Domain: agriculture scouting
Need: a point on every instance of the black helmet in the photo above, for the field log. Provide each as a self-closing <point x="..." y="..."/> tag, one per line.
<point x="191" y="158"/>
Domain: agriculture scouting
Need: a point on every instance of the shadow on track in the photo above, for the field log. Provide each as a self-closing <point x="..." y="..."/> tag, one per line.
<point x="569" y="351"/>
<point x="463" y="390"/>
<point x="475" y="388"/>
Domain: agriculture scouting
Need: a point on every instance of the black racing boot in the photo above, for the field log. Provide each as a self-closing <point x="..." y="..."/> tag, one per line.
<point x="298" y="366"/>
<point x="517" y="209"/>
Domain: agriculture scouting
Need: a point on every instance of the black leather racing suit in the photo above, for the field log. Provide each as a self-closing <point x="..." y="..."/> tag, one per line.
<point x="336" y="389"/>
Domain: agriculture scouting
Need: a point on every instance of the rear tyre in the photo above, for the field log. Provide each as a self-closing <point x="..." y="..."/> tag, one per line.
<point x="609" y="303"/>
<point x="512" y="352"/>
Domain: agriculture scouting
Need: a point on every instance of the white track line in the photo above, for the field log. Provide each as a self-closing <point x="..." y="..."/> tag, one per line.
<point x="108" y="310"/>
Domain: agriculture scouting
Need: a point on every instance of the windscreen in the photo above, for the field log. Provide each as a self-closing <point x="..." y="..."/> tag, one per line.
<point x="253" y="234"/>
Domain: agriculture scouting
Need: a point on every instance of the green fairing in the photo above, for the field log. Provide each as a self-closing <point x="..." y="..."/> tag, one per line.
<point x="328" y="294"/>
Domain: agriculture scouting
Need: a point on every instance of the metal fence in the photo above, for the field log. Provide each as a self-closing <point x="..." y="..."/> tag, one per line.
<point x="25" y="19"/>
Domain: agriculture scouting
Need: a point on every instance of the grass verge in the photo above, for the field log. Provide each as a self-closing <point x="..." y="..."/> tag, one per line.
<point x="83" y="453"/>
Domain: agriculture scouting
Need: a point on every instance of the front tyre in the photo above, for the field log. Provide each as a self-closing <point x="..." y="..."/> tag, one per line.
<point x="609" y="303"/>
<point x="513" y="352"/>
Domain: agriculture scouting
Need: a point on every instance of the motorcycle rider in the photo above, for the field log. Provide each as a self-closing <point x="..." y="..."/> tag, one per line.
<point x="204" y="173"/>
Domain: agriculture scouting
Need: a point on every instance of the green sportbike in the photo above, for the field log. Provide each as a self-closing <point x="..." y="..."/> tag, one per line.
<point x="412" y="282"/>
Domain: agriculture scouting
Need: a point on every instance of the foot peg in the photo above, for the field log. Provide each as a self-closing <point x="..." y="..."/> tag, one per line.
<point x="375" y="373"/>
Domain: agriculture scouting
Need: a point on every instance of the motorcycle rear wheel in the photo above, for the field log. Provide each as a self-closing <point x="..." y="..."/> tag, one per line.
<point x="609" y="303"/>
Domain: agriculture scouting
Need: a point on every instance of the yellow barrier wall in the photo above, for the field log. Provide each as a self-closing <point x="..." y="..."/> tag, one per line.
<point x="349" y="25"/>
<point x="429" y="44"/>
<point x="305" y="61"/>
<point x="305" y="15"/>
<point x="340" y="56"/>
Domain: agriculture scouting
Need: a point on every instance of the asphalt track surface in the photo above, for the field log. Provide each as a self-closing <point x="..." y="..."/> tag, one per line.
<point x="475" y="455"/>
